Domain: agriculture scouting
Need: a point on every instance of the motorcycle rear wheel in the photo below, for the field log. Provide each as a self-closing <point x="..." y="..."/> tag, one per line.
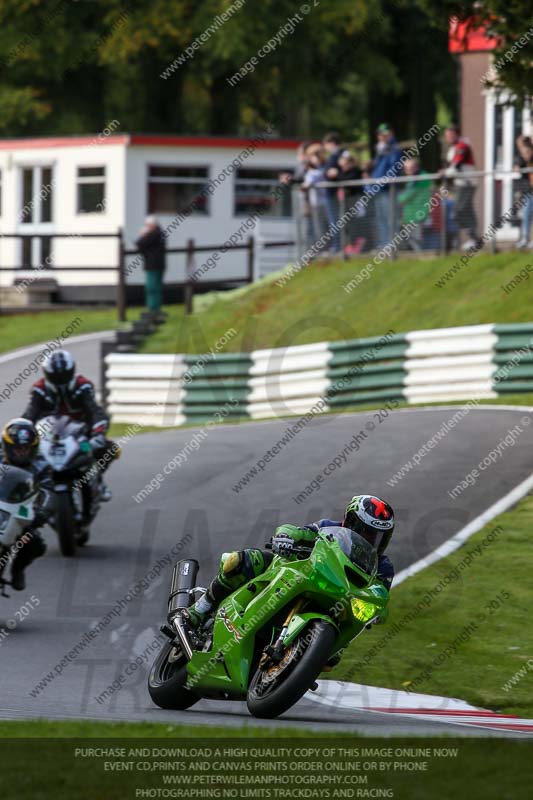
<point x="166" y="679"/>
<point x="274" y="690"/>
<point x="65" y="524"/>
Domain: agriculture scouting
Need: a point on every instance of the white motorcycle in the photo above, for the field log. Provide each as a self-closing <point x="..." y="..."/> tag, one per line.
<point x="64" y="444"/>
<point x="17" y="512"/>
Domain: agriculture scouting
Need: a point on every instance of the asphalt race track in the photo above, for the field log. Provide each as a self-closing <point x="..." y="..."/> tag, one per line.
<point x="196" y="510"/>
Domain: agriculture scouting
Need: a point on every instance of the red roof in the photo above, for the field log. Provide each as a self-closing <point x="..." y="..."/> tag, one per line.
<point x="62" y="141"/>
<point x="149" y="140"/>
<point x="211" y="141"/>
<point x="466" y="37"/>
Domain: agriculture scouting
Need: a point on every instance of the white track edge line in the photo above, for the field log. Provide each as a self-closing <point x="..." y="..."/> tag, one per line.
<point x="36" y="348"/>
<point x="467" y="531"/>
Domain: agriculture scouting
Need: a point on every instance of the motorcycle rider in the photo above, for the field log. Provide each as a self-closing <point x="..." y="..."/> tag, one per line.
<point x="370" y="517"/>
<point x="62" y="391"/>
<point x="20" y="448"/>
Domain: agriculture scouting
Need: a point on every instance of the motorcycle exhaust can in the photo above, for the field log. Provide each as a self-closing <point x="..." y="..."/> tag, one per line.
<point x="183" y="581"/>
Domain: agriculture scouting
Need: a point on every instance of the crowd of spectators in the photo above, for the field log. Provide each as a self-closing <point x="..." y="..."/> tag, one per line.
<point x="450" y="218"/>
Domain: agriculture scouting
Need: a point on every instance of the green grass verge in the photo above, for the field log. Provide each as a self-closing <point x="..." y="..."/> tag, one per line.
<point x="258" y="762"/>
<point x="21" y="330"/>
<point x="44" y="729"/>
<point x="314" y="307"/>
<point x="490" y="655"/>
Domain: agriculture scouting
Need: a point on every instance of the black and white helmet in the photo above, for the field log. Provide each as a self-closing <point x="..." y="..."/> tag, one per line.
<point x="371" y="518"/>
<point x="59" y="369"/>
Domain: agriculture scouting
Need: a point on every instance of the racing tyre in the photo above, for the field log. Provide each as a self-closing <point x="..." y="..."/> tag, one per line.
<point x="65" y="524"/>
<point x="166" y="679"/>
<point x="274" y="688"/>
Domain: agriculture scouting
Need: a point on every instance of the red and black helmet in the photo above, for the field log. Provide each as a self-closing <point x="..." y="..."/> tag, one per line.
<point x="20" y="442"/>
<point x="372" y="518"/>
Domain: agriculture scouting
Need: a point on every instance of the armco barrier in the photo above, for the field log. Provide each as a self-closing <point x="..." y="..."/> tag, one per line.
<point x="474" y="362"/>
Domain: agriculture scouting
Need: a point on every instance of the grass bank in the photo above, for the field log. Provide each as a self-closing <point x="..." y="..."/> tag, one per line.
<point x="24" y="329"/>
<point x="470" y="637"/>
<point x="313" y="306"/>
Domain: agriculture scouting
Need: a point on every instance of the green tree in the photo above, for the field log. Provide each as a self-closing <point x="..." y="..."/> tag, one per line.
<point x="72" y="66"/>
<point x="509" y="23"/>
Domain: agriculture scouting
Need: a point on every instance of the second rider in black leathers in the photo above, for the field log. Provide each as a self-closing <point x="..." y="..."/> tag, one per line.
<point x="61" y="391"/>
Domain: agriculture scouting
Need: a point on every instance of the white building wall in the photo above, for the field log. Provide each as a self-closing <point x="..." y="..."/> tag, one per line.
<point x="126" y="207"/>
<point x="219" y="224"/>
<point x="70" y="251"/>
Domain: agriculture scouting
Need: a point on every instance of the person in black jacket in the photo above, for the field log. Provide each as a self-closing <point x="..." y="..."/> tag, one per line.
<point x="332" y="143"/>
<point x="356" y="227"/>
<point x="62" y="391"/>
<point x="151" y="245"/>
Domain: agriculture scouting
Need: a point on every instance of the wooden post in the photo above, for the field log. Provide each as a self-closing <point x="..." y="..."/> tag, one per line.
<point x="251" y="255"/>
<point x="121" y="283"/>
<point x="189" y="283"/>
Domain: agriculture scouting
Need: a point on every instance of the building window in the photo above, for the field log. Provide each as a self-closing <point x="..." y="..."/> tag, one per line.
<point x="178" y="190"/>
<point x="37" y="195"/>
<point x="91" y="190"/>
<point x="258" y="191"/>
<point x="46" y="194"/>
<point x="27" y="195"/>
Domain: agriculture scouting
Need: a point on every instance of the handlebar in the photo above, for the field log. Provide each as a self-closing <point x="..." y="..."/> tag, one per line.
<point x="297" y="549"/>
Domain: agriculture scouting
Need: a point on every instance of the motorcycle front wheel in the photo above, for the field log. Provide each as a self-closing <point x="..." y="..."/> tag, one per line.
<point x="274" y="688"/>
<point x="65" y="524"/>
<point x="166" y="679"/>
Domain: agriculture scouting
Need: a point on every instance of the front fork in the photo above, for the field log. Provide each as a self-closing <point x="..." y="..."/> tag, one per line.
<point x="275" y="652"/>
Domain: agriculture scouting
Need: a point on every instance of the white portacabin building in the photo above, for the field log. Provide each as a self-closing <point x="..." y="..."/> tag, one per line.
<point x="100" y="184"/>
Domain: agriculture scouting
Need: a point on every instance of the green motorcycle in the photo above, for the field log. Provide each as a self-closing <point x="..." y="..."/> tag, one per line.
<point x="269" y="640"/>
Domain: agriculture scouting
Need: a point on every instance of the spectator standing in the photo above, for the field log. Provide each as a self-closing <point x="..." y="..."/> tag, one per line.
<point x="151" y="245"/>
<point x="387" y="161"/>
<point x="332" y="144"/>
<point x="297" y="176"/>
<point x="415" y="202"/>
<point x="349" y="170"/>
<point x="525" y="160"/>
<point x="302" y="161"/>
<point x="459" y="162"/>
<point x="316" y="197"/>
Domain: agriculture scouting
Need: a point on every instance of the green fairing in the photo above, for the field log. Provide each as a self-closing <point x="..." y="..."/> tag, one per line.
<point x="330" y="584"/>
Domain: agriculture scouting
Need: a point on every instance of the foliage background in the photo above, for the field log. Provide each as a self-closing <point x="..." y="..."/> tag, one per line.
<point x="71" y="66"/>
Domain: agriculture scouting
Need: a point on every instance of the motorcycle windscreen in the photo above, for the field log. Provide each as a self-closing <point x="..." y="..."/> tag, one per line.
<point x="46" y="428"/>
<point x="16" y="485"/>
<point x="358" y="550"/>
<point x="59" y="426"/>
